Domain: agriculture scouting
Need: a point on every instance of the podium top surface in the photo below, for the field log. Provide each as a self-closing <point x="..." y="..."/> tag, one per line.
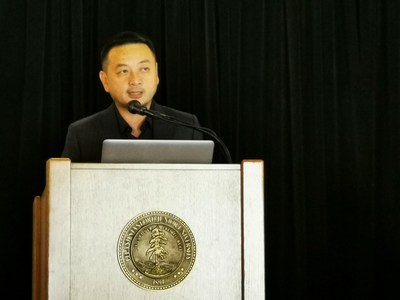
<point x="154" y="166"/>
<point x="141" y="166"/>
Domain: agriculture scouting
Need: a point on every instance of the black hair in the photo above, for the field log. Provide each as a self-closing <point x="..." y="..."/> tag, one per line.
<point x="123" y="38"/>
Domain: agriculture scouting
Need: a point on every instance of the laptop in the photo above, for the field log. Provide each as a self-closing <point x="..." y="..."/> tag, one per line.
<point x="157" y="151"/>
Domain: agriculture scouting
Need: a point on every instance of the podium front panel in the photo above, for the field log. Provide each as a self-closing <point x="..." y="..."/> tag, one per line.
<point x="104" y="200"/>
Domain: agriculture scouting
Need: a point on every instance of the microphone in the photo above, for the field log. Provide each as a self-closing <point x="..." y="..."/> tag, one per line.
<point x="135" y="107"/>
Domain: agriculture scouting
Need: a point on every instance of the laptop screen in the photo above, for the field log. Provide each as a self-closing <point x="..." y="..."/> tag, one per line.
<point x="157" y="151"/>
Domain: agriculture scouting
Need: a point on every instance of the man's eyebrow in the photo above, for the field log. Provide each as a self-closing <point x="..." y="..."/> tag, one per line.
<point x="140" y="62"/>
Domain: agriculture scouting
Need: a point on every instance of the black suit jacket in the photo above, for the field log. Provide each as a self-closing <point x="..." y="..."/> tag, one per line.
<point x="85" y="137"/>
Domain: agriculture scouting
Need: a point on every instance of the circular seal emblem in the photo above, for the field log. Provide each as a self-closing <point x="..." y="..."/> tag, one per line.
<point x="156" y="250"/>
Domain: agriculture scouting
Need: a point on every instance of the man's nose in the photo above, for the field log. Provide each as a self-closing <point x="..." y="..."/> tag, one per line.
<point x="135" y="79"/>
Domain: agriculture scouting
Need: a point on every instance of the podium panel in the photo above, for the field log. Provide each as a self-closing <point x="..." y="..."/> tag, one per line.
<point x="84" y="209"/>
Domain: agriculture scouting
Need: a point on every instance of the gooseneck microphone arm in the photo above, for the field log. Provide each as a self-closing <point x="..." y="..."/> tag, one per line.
<point x="135" y="107"/>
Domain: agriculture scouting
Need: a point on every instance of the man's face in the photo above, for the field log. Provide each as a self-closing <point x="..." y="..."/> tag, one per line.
<point x="130" y="73"/>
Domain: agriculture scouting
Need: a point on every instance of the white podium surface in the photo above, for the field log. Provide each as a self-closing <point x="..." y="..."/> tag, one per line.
<point x="89" y="205"/>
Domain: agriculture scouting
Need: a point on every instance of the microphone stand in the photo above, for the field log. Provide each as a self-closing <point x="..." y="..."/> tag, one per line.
<point x="135" y="107"/>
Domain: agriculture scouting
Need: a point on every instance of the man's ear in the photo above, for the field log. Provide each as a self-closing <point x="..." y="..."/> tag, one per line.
<point x="158" y="79"/>
<point x="104" y="80"/>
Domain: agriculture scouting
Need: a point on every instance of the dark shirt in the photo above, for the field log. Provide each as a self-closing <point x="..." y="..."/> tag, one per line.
<point x="126" y="130"/>
<point x="85" y="137"/>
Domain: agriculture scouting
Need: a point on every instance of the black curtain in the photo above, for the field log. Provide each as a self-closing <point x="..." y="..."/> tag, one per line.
<point x="311" y="87"/>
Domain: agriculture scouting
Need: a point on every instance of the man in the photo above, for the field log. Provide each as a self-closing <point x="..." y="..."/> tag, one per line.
<point x="129" y="71"/>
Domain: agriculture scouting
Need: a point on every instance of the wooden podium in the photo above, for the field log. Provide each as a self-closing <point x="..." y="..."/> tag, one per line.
<point x="79" y="219"/>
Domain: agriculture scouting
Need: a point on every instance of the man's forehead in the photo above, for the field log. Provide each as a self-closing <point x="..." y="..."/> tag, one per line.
<point x="131" y="49"/>
<point x="139" y="52"/>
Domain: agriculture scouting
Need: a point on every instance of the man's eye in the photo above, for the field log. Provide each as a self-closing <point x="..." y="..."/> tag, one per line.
<point x="122" y="71"/>
<point x="145" y="69"/>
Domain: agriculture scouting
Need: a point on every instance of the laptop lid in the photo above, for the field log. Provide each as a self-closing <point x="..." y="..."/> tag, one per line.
<point x="157" y="151"/>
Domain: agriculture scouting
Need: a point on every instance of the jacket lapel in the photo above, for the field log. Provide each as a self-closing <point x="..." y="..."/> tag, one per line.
<point x="161" y="129"/>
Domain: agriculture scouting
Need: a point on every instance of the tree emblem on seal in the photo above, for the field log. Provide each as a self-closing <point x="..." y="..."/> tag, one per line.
<point x="156" y="250"/>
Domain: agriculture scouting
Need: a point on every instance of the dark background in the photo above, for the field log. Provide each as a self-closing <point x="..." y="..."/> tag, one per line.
<point x="311" y="87"/>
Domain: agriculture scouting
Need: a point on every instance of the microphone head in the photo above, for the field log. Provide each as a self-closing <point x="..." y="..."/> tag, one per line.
<point x="135" y="107"/>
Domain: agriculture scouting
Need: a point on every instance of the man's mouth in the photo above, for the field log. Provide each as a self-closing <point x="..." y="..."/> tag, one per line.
<point x="135" y="95"/>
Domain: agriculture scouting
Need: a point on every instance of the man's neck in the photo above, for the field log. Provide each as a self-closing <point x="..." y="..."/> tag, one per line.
<point x="135" y="121"/>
